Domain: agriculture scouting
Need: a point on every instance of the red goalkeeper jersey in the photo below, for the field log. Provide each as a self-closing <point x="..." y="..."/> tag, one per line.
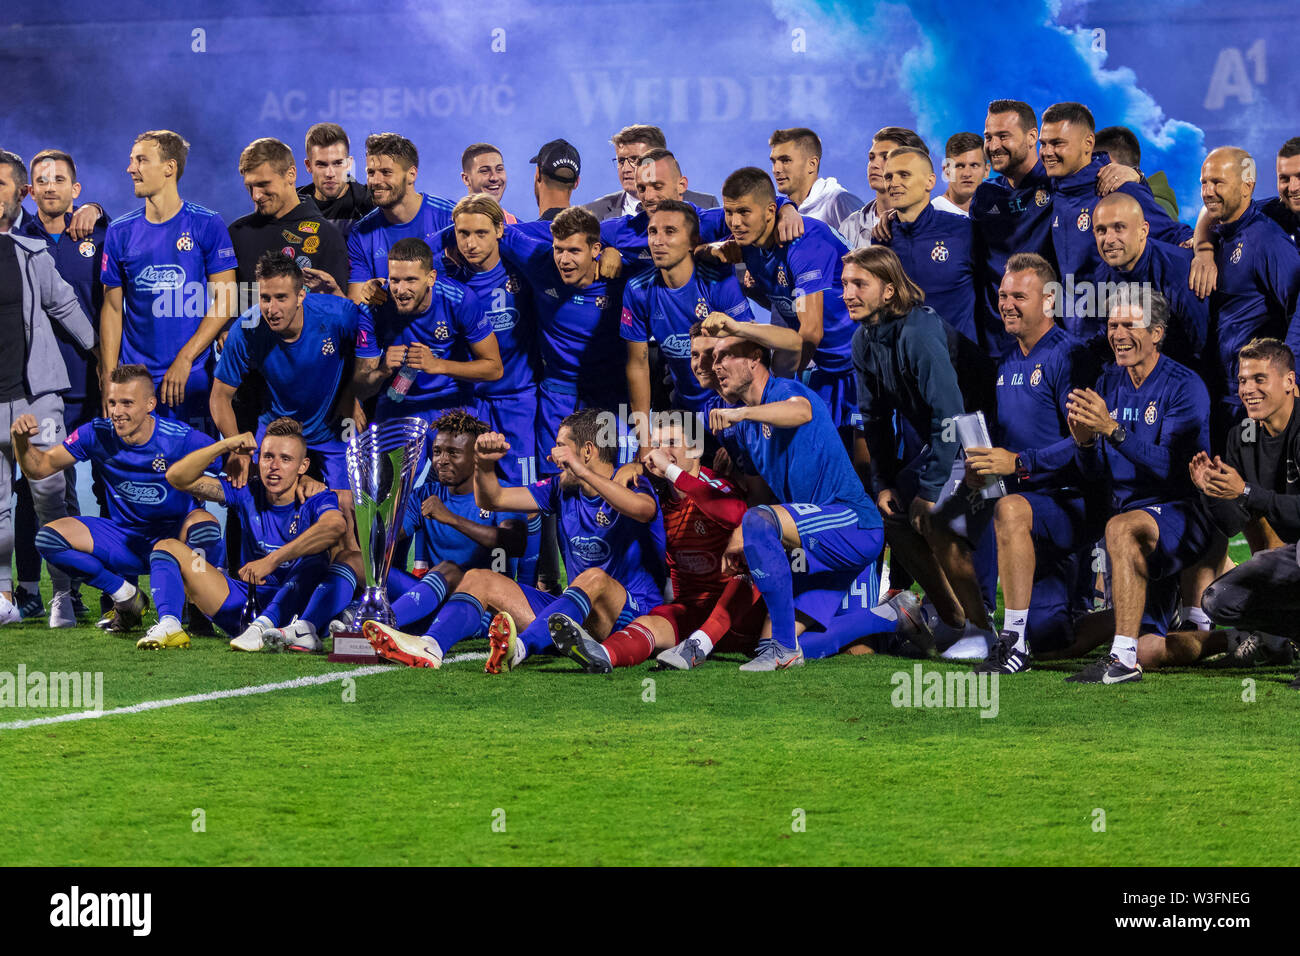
<point x="698" y="526"/>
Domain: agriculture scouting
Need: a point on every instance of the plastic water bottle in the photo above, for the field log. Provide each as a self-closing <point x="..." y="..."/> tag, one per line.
<point x="401" y="384"/>
<point x="252" y="611"/>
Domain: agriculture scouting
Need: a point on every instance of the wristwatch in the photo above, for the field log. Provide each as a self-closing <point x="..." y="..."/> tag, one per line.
<point x="1117" y="437"/>
<point x="1245" y="493"/>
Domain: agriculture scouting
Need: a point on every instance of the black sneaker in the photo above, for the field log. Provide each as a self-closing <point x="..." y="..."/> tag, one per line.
<point x="1107" y="670"/>
<point x="129" y="614"/>
<point x="572" y="640"/>
<point x="1003" y="657"/>
<point x="196" y="622"/>
<point x="28" y="604"/>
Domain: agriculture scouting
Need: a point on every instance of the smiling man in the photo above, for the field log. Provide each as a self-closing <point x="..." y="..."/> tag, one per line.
<point x="328" y="161"/>
<point x="483" y="170"/>
<point x="796" y="156"/>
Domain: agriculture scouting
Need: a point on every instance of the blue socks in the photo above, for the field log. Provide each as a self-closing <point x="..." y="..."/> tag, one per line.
<point x="526" y="571"/>
<point x="206" y="537"/>
<point x="422" y="599"/>
<point x="54" y="548"/>
<point x="460" y="618"/>
<point x="166" y="584"/>
<point x="331" y="596"/>
<point x="573" y="603"/>
<point x="769" y="569"/>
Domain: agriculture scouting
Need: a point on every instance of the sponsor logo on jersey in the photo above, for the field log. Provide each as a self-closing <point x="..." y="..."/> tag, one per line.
<point x="185" y="243"/>
<point x="940" y="252"/>
<point x="590" y="549"/>
<point x="1084" y="221"/>
<point x="1150" y="416"/>
<point x="291" y="237"/>
<point x="310" y="226"/>
<point x="87" y="249"/>
<point x="552" y="293"/>
<point x="160" y="278"/>
<point x="502" y="320"/>
<point x="1000" y="377"/>
<point x="142" y="492"/>
<point x="1236" y="254"/>
<point x="1036" y="378"/>
<point x="678" y="345"/>
<point x="311" y="245"/>
<point x="327" y="347"/>
<point x="696" y="562"/>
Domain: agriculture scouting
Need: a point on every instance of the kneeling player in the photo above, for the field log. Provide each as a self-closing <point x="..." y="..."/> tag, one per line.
<point x="132" y="448"/>
<point x="286" y="549"/>
<point x="602" y="526"/>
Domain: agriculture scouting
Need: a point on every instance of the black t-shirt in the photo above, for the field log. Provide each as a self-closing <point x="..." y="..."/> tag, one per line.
<point x="354" y="203"/>
<point x="1272" y="454"/>
<point x="304" y="232"/>
<point x="13" y="366"/>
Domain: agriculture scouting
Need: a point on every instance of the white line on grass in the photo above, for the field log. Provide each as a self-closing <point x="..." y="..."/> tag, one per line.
<point x="223" y="694"/>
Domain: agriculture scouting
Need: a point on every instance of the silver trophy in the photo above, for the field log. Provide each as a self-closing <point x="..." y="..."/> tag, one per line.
<point x="382" y="463"/>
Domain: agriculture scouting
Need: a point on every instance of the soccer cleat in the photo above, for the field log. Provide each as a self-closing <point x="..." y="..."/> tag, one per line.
<point x="973" y="645"/>
<point x="912" y="625"/>
<point x="29" y="604"/>
<point x="9" y="613"/>
<point x="503" y="641"/>
<point x="774" y="656"/>
<point x="1003" y="657"/>
<point x="393" y="645"/>
<point x="684" y="657"/>
<point x="1106" y="670"/>
<point x="253" y="639"/>
<point x="156" y="639"/>
<point x="106" y="619"/>
<point x="128" y="614"/>
<point x="346" y="619"/>
<point x="61" y="610"/>
<point x="79" y="606"/>
<point x="298" y="636"/>
<point x="1250" y="648"/>
<point x="572" y="640"/>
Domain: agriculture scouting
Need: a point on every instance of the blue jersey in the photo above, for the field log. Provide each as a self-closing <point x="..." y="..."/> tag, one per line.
<point x="578" y="328"/>
<point x="442" y="542"/>
<point x="1031" y="394"/>
<point x="936" y="251"/>
<point x="1166" y="267"/>
<point x="139" y="497"/>
<point x="303" y="376"/>
<point x="373" y="235"/>
<point x="593" y="535"/>
<point x="806" y="464"/>
<point x="162" y="269"/>
<point x="453" y="321"/>
<point x="1259" y="283"/>
<point x="512" y="313"/>
<point x="1277" y="210"/>
<point x="804" y="266"/>
<point x="1167" y="421"/>
<point x="267" y="528"/>
<point x="651" y="309"/>
<point x="630" y="236"/>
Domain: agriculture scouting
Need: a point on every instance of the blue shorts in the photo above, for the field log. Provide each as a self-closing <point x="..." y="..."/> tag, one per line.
<point x="633" y="605"/>
<point x="299" y="592"/>
<point x="1163" y="600"/>
<point x="1185" y="536"/>
<point x="839" y="390"/>
<point x="514" y="414"/>
<point x="193" y="409"/>
<point x="554" y="406"/>
<point x="835" y="551"/>
<point x="124" y="551"/>
<point x="329" y="458"/>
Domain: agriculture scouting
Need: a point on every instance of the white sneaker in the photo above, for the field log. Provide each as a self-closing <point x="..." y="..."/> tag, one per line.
<point x="61" y="610"/>
<point x="250" y="640"/>
<point x="972" y="646"/>
<point x="298" y="635"/>
<point x="9" y="612"/>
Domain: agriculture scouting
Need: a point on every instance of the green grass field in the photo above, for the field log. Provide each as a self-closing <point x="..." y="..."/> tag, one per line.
<point x="548" y="766"/>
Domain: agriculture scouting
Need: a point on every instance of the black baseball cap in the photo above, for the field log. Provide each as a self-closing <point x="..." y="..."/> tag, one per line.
<point x="559" y="160"/>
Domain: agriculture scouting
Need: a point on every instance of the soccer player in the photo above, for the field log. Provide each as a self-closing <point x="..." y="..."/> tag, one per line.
<point x="915" y="373"/>
<point x="1042" y="522"/>
<point x="483" y="170"/>
<point x="299" y="343"/>
<point x="964" y="168"/>
<point x="287" y="538"/>
<point x="429" y="338"/>
<point x="342" y="200"/>
<point x="282" y="219"/>
<point x="1159" y="527"/>
<point x="602" y="526"/>
<point x="401" y="212"/>
<point x="796" y="156"/>
<point x="789" y="437"/>
<point x="630" y="145"/>
<point x="801" y="279"/>
<point x="1284" y="208"/>
<point x="1255" y="479"/>
<point x="1129" y="254"/>
<point x="161" y="265"/>
<point x="858" y="227"/>
<point x="133" y="448"/>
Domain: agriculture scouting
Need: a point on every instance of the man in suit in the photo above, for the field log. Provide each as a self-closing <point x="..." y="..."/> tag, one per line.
<point x="630" y="144"/>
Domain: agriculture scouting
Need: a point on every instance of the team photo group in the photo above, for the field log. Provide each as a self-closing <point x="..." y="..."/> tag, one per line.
<point x="1008" y="408"/>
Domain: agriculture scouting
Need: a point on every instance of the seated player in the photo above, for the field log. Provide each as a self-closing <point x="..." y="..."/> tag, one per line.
<point x="1137" y="430"/>
<point x="300" y="345"/>
<point x="428" y="338"/>
<point x="601" y="525"/>
<point x="700" y="513"/>
<point x="452" y="529"/>
<point x="131" y="448"/>
<point x="1256" y="479"/>
<point x="288" y="535"/>
<point x="790" y="440"/>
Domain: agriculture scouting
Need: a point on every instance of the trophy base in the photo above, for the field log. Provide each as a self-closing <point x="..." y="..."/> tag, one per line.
<point x="351" y="647"/>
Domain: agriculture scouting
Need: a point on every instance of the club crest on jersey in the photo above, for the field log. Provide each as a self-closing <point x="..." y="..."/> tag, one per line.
<point x="160" y="463"/>
<point x="1236" y="254"/>
<point x="700" y="527"/>
<point x="327" y="347"/>
<point x="940" y="252"/>
<point x="87" y="249"/>
<point x="484" y="514"/>
<point x="1084" y="220"/>
<point x="293" y="527"/>
<point x="781" y="277"/>
<point x="512" y="284"/>
<point x="767" y="430"/>
<point x="701" y="309"/>
<point x="442" y="333"/>
<point x="1150" y="416"/>
<point x="601" y="301"/>
<point x="310" y="226"/>
<point x="185" y="243"/>
<point x="291" y="237"/>
<point x="1036" y="377"/>
<point x="311" y="245"/>
<point x="602" y="518"/>
<point x="1040" y="197"/>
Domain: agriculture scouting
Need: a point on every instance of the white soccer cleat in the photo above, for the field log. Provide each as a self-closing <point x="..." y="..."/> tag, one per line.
<point x="9" y="613"/>
<point x="298" y="635"/>
<point x="62" y="613"/>
<point x="251" y="640"/>
<point x="973" y="645"/>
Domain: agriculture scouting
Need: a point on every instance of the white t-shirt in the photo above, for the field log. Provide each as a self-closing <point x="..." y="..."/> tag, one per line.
<point x="830" y="202"/>
<point x="944" y="204"/>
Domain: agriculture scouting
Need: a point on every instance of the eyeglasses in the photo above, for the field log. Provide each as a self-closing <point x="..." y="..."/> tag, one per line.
<point x="621" y="161"/>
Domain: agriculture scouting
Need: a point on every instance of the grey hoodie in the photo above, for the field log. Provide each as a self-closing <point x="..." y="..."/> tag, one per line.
<point x="47" y="296"/>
